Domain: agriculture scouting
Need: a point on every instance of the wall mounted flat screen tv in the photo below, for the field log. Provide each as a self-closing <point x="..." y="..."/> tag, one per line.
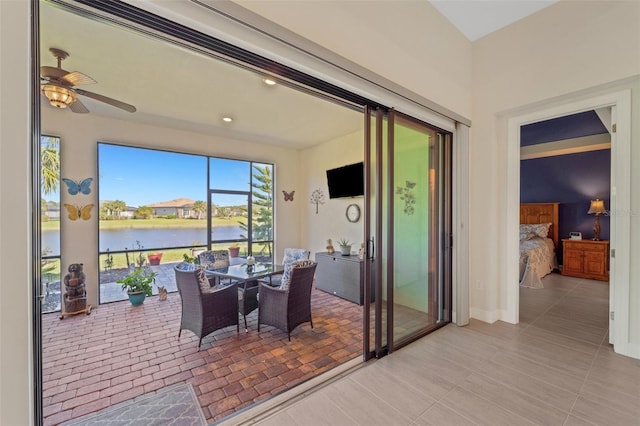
<point x="346" y="181"/>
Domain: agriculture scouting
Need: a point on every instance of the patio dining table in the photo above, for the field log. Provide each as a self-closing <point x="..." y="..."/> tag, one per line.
<point x="242" y="273"/>
<point x="248" y="285"/>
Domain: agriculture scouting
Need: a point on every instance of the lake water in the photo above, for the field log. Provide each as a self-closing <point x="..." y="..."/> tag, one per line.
<point x="119" y="239"/>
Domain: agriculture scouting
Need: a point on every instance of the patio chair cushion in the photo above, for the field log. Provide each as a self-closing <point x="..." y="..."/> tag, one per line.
<point x="286" y="275"/>
<point x="214" y="258"/>
<point x="203" y="281"/>
<point x="294" y="254"/>
<point x="185" y="266"/>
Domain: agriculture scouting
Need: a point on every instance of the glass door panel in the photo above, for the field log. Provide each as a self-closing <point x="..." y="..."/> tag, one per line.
<point x="414" y="236"/>
<point x="408" y="225"/>
<point x="376" y="228"/>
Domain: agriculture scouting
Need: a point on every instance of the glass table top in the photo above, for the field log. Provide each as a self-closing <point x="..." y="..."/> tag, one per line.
<point x="243" y="272"/>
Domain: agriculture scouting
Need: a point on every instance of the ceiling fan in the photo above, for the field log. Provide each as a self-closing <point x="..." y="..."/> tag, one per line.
<point x="58" y="86"/>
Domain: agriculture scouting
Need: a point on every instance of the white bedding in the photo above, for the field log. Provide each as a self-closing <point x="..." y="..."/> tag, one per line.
<point x="537" y="259"/>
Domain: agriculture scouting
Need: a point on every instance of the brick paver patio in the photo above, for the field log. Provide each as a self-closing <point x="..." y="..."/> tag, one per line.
<point x="120" y="352"/>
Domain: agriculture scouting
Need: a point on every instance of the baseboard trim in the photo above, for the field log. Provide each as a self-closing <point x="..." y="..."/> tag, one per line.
<point x="486" y="316"/>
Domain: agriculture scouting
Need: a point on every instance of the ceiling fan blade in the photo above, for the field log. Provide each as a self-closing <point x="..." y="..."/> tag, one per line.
<point x="106" y="100"/>
<point x="78" y="107"/>
<point x="76" y="78"/>
<point x="52" y="73"/>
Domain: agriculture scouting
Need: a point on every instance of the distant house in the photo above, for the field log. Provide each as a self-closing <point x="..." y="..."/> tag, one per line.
<point x="180" y="207"/>
<point x="127" y="213"/>
<point x="53" y="212"/>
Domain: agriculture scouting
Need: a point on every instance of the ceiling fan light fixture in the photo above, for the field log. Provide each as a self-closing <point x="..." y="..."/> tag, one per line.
<point x="59" y="97"/>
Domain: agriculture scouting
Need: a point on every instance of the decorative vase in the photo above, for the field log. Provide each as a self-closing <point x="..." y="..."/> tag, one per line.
<point x="345" y="250"/>
<point x="137" y="298"/>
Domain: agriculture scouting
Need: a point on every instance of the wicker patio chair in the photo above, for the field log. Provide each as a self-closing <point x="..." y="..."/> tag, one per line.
<point x="247" y="299"/>
<point x="214" y="259"/>
<point x="208" y="310"/>
<point x="290" y="255"/>
<point x="289" y="305"/>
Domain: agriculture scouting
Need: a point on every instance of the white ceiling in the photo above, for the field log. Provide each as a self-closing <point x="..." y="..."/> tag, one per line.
<point x="477" y="18"/>
<point x="173" y="87"/>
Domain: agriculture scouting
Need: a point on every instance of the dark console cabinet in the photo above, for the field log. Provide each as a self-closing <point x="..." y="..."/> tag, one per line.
<point x="342" y="276"/>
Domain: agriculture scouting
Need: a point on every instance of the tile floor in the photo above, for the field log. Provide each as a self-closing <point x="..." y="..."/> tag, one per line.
<point x="120" y="352"/>
<point x="554" y="368"/>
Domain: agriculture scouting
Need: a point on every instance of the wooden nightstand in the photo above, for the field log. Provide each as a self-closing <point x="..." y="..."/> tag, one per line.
<point x="585" y="259"/>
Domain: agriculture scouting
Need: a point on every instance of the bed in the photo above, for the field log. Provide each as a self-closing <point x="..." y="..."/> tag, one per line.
<point x="538" y="242"/>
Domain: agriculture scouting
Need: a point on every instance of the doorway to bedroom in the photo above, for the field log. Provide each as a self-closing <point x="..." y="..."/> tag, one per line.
<point x="566" y="162"/>
<point x="618" y="98"/>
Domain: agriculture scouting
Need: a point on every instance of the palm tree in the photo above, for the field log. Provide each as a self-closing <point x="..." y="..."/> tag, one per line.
<point x="199" y="207"/>
<point x="49" y="164"/>
<point x="118" y="206"/>
<point x="114" y="208"/>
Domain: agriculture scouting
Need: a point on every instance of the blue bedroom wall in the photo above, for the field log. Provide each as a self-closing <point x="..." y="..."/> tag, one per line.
<point x="570" y="126"/>
<point x="572" y="180"/>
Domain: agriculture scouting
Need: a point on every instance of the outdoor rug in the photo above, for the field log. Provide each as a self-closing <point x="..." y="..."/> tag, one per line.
<point x="176" y="405"/>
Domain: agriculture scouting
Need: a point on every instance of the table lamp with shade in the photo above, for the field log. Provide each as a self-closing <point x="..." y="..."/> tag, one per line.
<point x="597" y="208"/>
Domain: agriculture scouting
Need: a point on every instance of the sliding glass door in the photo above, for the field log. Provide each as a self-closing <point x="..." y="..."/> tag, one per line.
<point x="409" y="230"/>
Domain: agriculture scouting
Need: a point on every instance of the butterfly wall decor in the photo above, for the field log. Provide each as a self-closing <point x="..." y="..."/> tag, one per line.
<point x="288" y="196"/>
<point x="74" y="187"/>
<point x="406" y="194"/>
<point x="79" y="212"/>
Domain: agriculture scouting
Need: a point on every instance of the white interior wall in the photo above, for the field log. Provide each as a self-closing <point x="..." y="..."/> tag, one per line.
<point x="408" y="42"/>
<point x="566" y="48"/>
<point x="330" y="221"/>
<point x="16" y="376"/>
<point x="436" y="62"/>
<point x="79" y="135"/>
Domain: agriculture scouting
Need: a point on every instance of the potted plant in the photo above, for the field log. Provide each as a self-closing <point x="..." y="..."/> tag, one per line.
<point x="345" y="246"/>
<point x="189" y="259"/>
<point x="234" y="250"/>
<point x="138" y="285"/>
<point x="154" y="258"/>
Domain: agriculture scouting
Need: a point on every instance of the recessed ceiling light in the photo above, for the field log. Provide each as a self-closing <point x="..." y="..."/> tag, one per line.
<point x="269" y="81"/>
<point x="227" y="119"/>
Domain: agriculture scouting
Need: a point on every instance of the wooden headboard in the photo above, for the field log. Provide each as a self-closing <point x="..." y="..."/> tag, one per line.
<point x="541" y="213"/>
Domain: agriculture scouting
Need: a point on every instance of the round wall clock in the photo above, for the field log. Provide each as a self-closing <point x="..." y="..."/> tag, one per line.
<point x="353" y="213"/>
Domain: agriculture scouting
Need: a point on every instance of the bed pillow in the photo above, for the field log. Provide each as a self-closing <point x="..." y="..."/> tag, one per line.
<point x="538" y="229"/>
<point x="524" y="236"/>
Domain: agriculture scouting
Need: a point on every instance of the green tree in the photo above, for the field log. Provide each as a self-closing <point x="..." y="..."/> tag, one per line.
<point x="114" y="208"/>
<point x="143" y="212"/>
<point x="262" y="211"/>
<point x="49" y="165"/>
<point x="200" y="207"/>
